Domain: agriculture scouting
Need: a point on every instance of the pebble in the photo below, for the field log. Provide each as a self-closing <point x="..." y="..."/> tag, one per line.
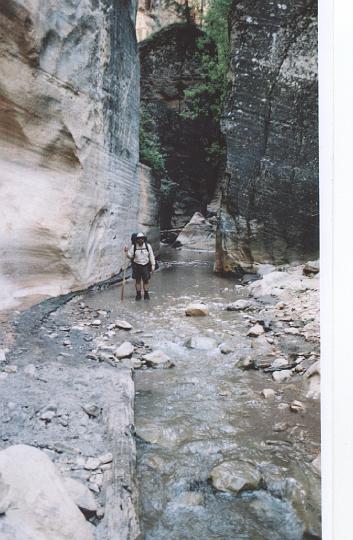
<point x="297" y="406"/>
<point x="47" y="416"/>
<point x="66" y="342"/>
<point x="291" y="331"/>
<point x="96" y="322"/>
<point x="268" y="393"/>
<point x="2" y="355"/>
<point x="279" y="362"/>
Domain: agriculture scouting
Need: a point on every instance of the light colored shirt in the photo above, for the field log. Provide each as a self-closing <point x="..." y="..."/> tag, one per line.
<point x="142" y="255"/>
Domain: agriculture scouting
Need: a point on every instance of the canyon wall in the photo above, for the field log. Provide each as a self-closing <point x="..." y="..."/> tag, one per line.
<point x="269" y="209"/>
<point x="149" y="206"/>
<point x="69" y="97"/>
<point x="170" y="66"/>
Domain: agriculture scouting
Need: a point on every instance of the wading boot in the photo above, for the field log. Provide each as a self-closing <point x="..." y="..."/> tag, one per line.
<point x="146" y="295"/>
<point x="138" y="296"/>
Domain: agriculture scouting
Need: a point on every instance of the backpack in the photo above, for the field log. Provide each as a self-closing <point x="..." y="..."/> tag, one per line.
<point x="133" y="241"/>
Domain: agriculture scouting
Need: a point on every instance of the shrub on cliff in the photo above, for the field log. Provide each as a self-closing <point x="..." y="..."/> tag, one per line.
<point x="151" y="152"/>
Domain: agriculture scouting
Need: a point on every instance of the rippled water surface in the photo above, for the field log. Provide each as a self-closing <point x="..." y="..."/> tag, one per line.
<point x="205" y="411"/>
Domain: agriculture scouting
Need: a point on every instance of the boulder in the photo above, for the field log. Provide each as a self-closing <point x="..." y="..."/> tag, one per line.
<point x="255" y="331"/>
<point x="311" y="268"/>
<point x="125" y="350"/>
<point x="197" y="234"/>
<point x="34" y="500"/>
<point x="234" y="477"/>
<point x="279" y="362"/>
<point x="203" y="343"/>
<point x="82" y="496"/>
<point x="281" y="376"/>
<point x="158" y="359"/>
<point x="196" y="309"/>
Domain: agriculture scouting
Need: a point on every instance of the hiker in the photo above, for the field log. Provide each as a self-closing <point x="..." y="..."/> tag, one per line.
<point x="143" y="263"/>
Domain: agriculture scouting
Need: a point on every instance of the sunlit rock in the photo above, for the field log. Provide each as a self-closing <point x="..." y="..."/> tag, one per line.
<point x="235" y="477"/>
<point x="196" y="309"/>
<point x="34" y="501"/>
<point x="68" y="145"/>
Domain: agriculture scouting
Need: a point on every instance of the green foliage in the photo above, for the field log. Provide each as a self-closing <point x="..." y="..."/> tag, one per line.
<point x="206" y="97"/>
<point x="151" y="152"/>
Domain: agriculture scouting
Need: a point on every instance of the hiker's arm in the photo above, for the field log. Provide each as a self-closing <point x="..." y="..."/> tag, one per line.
<point x="129" y="252"/>
<point x="152" y="259"/>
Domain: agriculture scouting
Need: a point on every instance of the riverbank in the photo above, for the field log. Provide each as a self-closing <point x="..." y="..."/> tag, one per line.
<point x="243" y="386"/>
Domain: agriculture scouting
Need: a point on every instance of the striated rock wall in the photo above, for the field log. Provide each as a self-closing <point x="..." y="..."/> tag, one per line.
<point x="69" y="95"/>
<point x="149" y="206"/>
<point x="170" y="65"/>
<point x="269" y="210"/>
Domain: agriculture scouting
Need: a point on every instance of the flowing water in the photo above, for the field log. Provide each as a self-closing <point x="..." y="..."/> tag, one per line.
<point x="205" y="410"/>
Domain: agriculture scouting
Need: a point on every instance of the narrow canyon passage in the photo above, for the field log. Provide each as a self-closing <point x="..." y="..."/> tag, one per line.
<point x="206" y="410"/>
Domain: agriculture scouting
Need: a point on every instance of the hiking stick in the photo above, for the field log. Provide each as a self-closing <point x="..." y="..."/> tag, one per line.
<point x="123" y="287"/>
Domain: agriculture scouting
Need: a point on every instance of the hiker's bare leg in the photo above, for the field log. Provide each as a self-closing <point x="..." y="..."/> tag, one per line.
<point x="138" y="286"/>
<point x="146" y="286"/>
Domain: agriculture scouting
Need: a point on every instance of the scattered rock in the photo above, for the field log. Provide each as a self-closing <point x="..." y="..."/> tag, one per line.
<point x="92" y="464"/>
<point x="197" y="309"/>
<point x="297" y="406"/>
<point x="125" y="350"/>
<point x="291" y="331"/>
<point x="47" y="416"/>
<point x="10" y="369"/>
<point x="281" y="376"/>
<point x="106" y="458"/>
<point x="235" y="476"/>
<point x="203" y="343"/>
<point x="92" y="410"/>
<point x="2" y="356"/>
<point x="81" y="496"/>
<point x="314" y="369"/>
<point x="280" y="426"/>
<point x="96" y="322"/>
<point x="123" y="325"/>
<point x="35" y="499"/>
<point x="3" y="376"/>
<point x="226" y="348"/>
<point x="189" y="498"/>
<point x="268" y="393"/>
<point x="158" y="359"/>
<point x="255" y="331"/>
<point x="279" y="362"/>
<point x="311" y="268"/>
<point x="30" y="370"/>
<point x="317" y="464"/>
<point x="240" y="305"/>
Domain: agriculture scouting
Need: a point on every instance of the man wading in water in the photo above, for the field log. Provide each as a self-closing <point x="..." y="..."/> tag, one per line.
<point x="143" y="263"/>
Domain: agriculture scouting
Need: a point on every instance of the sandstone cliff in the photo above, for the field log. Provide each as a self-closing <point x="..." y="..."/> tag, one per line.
<point x="69" y="94"/>
<point x="170" y="65"/>
<point x="269" y="211"/>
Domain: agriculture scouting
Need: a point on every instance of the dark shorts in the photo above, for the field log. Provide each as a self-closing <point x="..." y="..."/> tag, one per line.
<point x="141" y="272"/>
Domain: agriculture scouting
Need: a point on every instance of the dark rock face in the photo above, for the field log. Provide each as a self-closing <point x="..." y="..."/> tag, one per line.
<point x="269" y="210"/>
<point x="169" y="66"/>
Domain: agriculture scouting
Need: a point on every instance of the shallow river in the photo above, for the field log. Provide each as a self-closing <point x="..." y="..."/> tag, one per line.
<point x="205" y="410"/>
